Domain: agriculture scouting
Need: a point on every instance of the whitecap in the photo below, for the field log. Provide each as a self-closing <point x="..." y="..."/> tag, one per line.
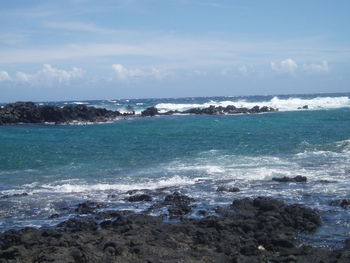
<point x="289" y="104"/>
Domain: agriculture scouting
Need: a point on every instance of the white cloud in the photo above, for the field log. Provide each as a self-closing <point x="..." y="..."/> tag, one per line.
<point x="288" y="66"/>
<point x="78" y="26"/>
<point x="238" y="71"/>
<point x="123" y="73"/>
<point x="49" y="75"/>
<point x="243" y="69"/>
<point x="317" y="68"/>
<point x="4" y="75"/>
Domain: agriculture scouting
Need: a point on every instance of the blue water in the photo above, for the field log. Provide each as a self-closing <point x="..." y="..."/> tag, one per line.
<point x="59" y="166"/>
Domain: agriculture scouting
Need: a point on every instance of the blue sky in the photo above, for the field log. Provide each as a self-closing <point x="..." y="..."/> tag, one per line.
<point x="88" y="49"/>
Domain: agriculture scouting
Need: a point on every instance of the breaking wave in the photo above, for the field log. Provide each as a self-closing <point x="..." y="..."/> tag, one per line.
<point x="289" y="104"/>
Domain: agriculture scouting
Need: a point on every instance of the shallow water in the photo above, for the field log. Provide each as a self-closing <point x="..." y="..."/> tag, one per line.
<point x="60" y="166"/>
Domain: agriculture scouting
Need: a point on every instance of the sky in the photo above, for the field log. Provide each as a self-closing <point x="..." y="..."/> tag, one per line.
<point x="109" y="49"/>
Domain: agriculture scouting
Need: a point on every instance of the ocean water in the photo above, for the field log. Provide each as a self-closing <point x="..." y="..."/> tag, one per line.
<point x="59" y="166"/>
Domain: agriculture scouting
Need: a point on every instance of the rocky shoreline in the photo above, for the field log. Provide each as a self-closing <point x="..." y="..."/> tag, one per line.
<point x="29" y="112"/>
<point x="249" y="230"/>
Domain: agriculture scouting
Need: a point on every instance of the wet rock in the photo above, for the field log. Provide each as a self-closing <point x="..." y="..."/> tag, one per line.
<point x="151" y="111"/>
<point x="80" y="224"/>
<point x="230" y="109"/>
<point x="53" y="216"/>
<point x="140" y="198"/>
<point x="344" y="203"/>
<point x="88" y="207"/>
<point x="28" y="112"/>
<point x="227" y="189"/>
<point x="277" y="213"/>
<point x="14" y="195"/>
<point x="202" y="212"/>
<point x="305" y="107"/>
<point x="286" y="179"/>
<point x="177" y="204"/>
<point x="108" y="214"/>
<point x="177" y="198"/>
<point x="267" y="234"/>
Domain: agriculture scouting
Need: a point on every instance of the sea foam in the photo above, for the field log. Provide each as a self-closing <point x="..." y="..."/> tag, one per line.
<point x="289" y="104"/>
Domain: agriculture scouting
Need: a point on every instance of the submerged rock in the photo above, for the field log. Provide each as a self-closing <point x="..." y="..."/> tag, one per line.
<point x="227" y="189"/>
<point x="140" y="198"/>
<point x="344" y="203"/>
<point x="14" y="195"/>
<point x="88" y="207"/>
<point x="53" y="216"/>
<point x="285" y="179"/>
<point x="177" y="205"/>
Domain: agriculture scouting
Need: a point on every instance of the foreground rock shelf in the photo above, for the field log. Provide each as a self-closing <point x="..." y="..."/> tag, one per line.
<point x="249" y="230"/>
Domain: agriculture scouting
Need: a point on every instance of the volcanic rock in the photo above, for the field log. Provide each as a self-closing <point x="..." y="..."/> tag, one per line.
<point x="296" y="179"/>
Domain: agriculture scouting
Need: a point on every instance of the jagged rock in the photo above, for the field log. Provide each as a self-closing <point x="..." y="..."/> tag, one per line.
<point x="140" y="198"/>
<point x="28" y="112"/>
<point x="285" y="179"/>
<point x="227" y="189"/>
<point x="14" y="195"/>
<point x="81" y="224"/>
<point x="267" y="234"/>
<point x="151" y="111"/>
<point x="344" y="203"/>
<point x="177" y="204"/>
<point x="88" y="207"/>
<point x="53" y="216"/>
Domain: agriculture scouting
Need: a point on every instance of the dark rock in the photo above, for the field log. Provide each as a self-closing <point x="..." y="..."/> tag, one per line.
<point x="14" y="195"/>
<point x="108" y="214"/>
<point x="28" y="112"/>
<point x="269" y="233"/>
<point x="54" y="216"/>
<point x="140" y="198"/>
<point x="81" y="224"/>
<point x="230" y="109"/>
<point x="112" y="196"/>
<point x="151" y="111"/>
<point x="344" y="203"/>
<point x="202" y="212"/>
<point x="88" y="207"/>
<point x="177" y="204"/>
<point x="296" y="179"/>
<point x="227" y="189"/>
<point x="296" y="217"/>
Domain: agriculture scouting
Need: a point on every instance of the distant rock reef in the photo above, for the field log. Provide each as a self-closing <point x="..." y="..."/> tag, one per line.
<point x="211" y="110"/>
<point x="28" y="112"/>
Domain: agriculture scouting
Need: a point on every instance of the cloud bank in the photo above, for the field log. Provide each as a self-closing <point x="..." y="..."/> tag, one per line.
<point x="290" y="66"/>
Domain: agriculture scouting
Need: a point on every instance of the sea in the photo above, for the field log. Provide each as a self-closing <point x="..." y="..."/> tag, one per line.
<point x="50" y="169"/>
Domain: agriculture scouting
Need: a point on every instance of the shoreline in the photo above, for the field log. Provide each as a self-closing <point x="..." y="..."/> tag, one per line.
<point x="260" y="229"/>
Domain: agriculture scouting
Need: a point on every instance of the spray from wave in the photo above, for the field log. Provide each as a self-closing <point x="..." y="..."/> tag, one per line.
<point x="289" y="104"/>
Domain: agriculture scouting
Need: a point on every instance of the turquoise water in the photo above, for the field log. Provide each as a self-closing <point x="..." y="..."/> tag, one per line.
<point x="60" y="166"/>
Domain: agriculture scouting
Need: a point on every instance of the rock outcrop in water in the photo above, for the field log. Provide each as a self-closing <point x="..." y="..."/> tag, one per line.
<point x="28" y="112"/>
<point x="250" y="230"/>
<point x="211" y="110"/>
<point x="286" y="179"/>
